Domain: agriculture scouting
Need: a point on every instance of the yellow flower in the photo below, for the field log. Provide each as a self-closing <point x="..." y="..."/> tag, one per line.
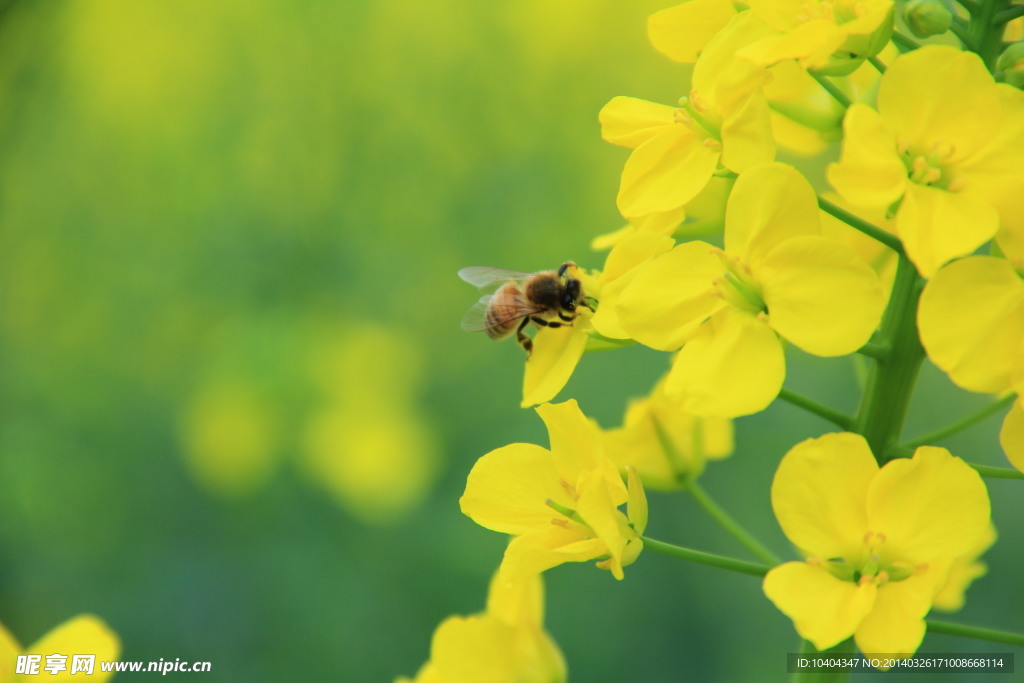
<point x="560" y="505"/>
<point x="971" y="320"/>
<point x="879" y="543"/>
<point x="629" y="253"/>
<point x="505" y="644"/>
<point x="677" y="149"/>
<point x="777" y="277"/>
<point x="557" y="350"/>
<point x="945" y="148"/>
<point x="82" y="635"/>
<point x="828" y="36"/>
<point x="682" y="32"/>
<point x="666" y="444"/>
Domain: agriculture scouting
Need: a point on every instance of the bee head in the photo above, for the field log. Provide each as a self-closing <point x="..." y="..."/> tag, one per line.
<point x="571" y="294"/>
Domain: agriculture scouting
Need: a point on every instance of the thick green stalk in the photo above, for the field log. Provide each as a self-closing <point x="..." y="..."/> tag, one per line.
<point x="985" y="31"/>
<point x="891" y="382"/>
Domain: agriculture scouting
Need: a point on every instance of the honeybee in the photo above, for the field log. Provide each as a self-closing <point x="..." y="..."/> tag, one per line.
<point x="549" y="298"/>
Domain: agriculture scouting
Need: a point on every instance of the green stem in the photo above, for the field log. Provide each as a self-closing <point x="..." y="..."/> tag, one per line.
<point x="729" y="524"/>
<point x="710" y="559"/>
<point x="964" y="35"/>
<point x="891" y="383"/>
<point x="997" y="472"/>
<point x="877" y="63"/>
<point x="1008" y="15"/>
<point x="832" y="89"/>
<point x="961" y="425"/>
<point x="860" y="224"/>
<point x="985" y="31"/>
<point x="841" y="420"/>
<point x="682" y="468"/>
<point x="905" y="42"/>
<point x="976" y="632"/>
<point x="876" y="351"/>
<point x="968" y="5"/>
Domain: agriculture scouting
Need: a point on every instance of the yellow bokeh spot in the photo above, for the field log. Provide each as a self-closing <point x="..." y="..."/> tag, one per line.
<point x="231" y="438"/>
<point x="376" y="464"/>
<point x="366" y="443"/>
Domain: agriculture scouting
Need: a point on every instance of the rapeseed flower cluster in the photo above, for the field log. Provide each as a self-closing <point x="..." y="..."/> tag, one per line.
<point x="926" y="165"/>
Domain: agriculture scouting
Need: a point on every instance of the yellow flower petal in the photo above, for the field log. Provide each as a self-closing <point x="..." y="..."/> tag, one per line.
<point x="517" y="602"/>
<point x="747" y="138"/>
<point x="556" y="352"/>
<point x="812" y="43"/>
<point x="940" y="94"/>
<point x="665" y="172"/>
<point x="769" y="204"/>
<point x="619" y="269"/>
<point x="971" y="319"/>
<point x="869" y="173"/>
<point x="682" y="32"/>
<point x="670" y="296"/>
<point x="477" y="648"/>
<point x="84" y="634"/>
<point x="630" y="122"/>
<point x="936" y="225"/>
<point x="896" y="625"/>
<point x="719" y="57"/>
<point x="819" y="491"/>
<point x="547" y="547"/>
<point x="636" y="508"/>
<point x="576" y="445"/>
<point x="596" y="506"/>
<point x="824" y="609"/>
<point x="820" y="296"/>
<point x="1011" y="437"/>
<point x="962" y="573"/>
<point x="638" y="443"/>
<point x="733" y="366"/>
<point x="931" y="507"/>
<point x="10" y="648"/>
<point x="1002" y="157"/>
<point x="506" y="490"/>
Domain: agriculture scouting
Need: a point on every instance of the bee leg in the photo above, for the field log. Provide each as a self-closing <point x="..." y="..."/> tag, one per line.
<point x="589" y="302"/>
<point x="524" y="339"/>
<point x="565" y="266"/>
<point x="548" y="323"/>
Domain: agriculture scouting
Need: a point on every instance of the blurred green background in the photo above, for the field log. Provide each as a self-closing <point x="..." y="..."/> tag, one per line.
<point x="236" y="407"/>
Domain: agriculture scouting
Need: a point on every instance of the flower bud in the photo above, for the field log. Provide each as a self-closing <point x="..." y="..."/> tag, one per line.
<point x="1011" y="63"/>
<point x="927" y="17"/>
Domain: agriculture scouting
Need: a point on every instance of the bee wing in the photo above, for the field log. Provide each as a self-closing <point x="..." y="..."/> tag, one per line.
<point x="481" y="276"/>
<point x="475" y="319"/>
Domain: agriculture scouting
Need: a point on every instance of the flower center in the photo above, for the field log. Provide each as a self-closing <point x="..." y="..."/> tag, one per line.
<point x="693" y="112"/>
<point x="870" y="565"/>
<point x="737" y="284"/>
<point x="931" y="168"/>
